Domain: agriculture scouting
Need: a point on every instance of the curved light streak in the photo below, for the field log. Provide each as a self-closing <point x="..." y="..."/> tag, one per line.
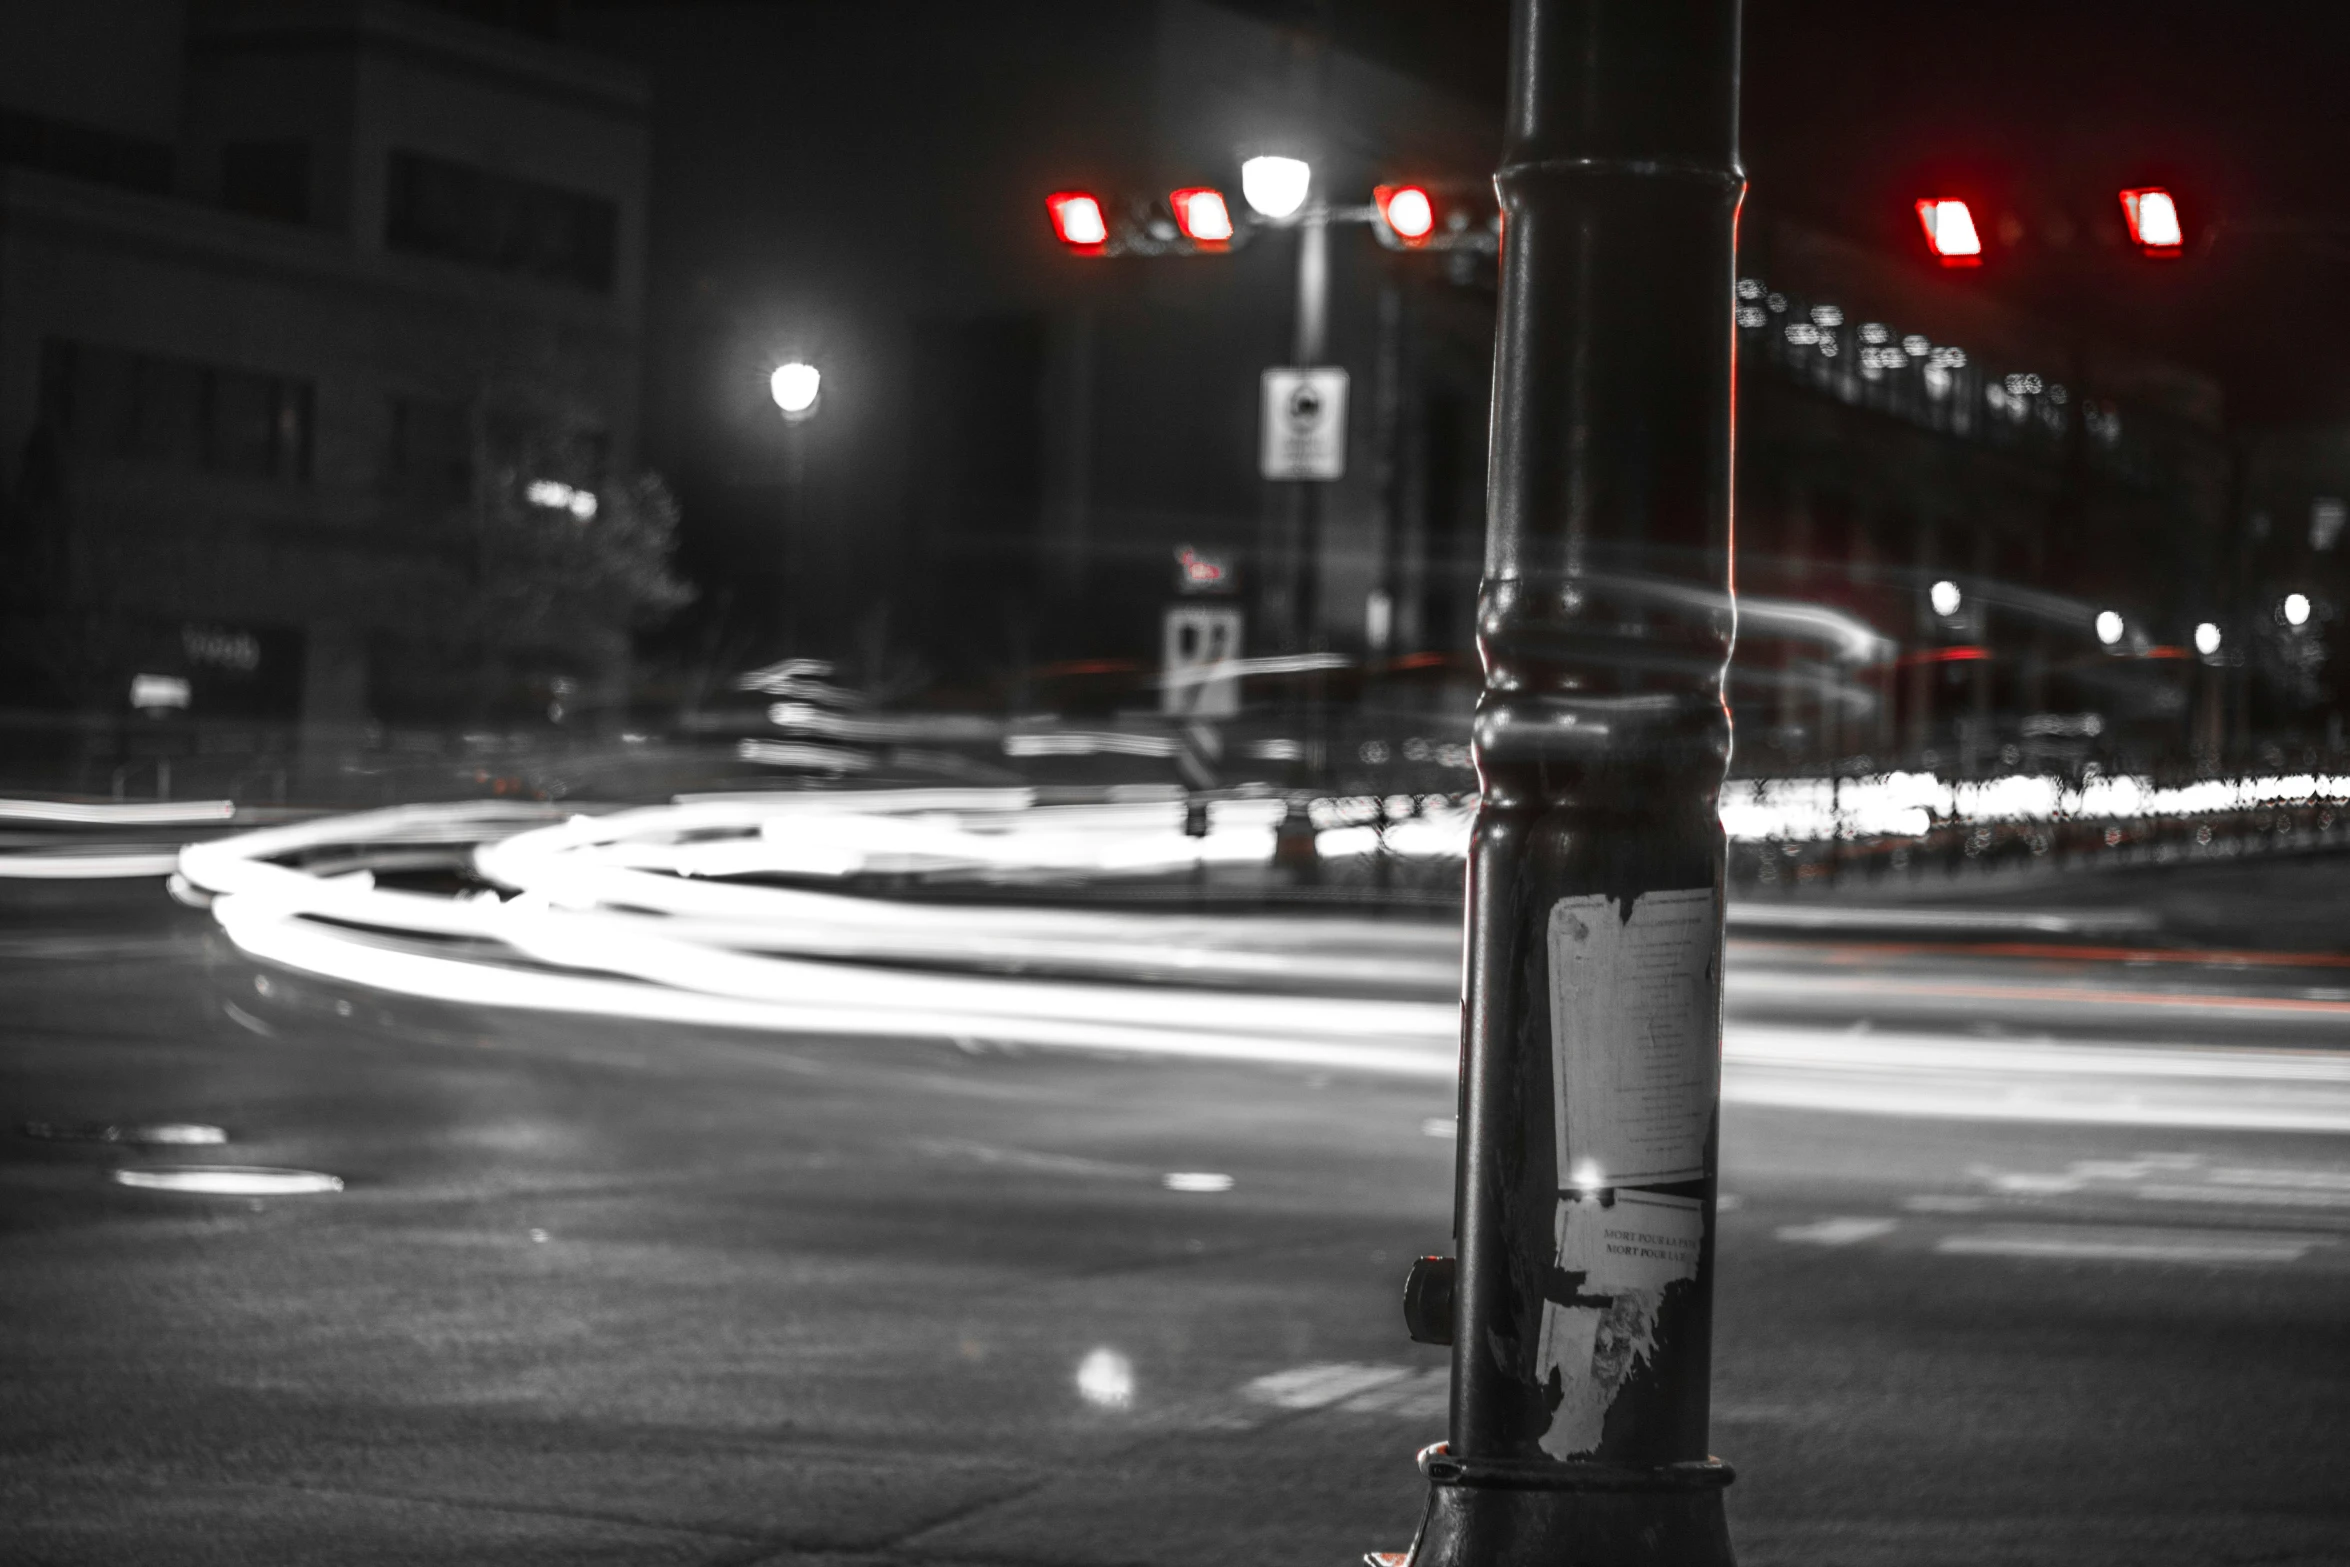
<point x="92" y="864"/>
<point x="229" y="1180"/>
<point x="636" y="914"/>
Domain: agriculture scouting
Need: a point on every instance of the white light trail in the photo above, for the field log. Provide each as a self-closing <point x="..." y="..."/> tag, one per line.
<point x="225" y="1180"/>
<point x="635" y="915"/>
<point x="101" y="813"/>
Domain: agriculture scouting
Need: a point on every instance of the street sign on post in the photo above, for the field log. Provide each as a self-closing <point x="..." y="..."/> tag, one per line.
<point x="1580" y="1306"/>
<point x="1304" y="424"/>
<point x="1199" y="642"/>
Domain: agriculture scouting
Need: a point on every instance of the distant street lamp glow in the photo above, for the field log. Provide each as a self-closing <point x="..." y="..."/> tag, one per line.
<point x="2296" y="607"/>
<point x="2109" y="627"/>
<point x="794" y="386"/>
<point x="558" y="496"/>
<point x="1945" y="597"/>
<point x="2207" y="639"/>
<point x="1105" y="1379"/>
<point x="1276" y="187"/>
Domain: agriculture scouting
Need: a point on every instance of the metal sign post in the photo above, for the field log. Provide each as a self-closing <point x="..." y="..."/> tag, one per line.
<point x="1580" y="1313"/>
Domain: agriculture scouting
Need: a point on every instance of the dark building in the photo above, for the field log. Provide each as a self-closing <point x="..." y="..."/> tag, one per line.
<point x="2029" y="520"/>
<point x="277" y="282"/>
<point x="1017" y="441"/>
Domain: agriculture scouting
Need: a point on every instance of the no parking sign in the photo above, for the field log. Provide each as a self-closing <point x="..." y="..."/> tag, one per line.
<point x="1304" y="424"/>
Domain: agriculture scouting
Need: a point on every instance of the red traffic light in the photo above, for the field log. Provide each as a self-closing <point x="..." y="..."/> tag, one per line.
<point x="2154" y="220"/>
<point x="1950" y="231"/>
<point x="1407" y="210"/>
<point x="1202" y="216"/>
<point x="1077" y="220"/>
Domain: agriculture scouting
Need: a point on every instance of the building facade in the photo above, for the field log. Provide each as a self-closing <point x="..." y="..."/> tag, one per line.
<point x="279" y="284"/>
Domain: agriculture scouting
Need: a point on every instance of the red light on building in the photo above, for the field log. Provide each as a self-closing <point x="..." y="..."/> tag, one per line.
<point x="1950" y="231"/>
<point x="2154" y="221"/>
<point x="1200" y="573"/>
<point x="1202" y="216"/>
<point x="1966" y="653"/>
<point x="1077" y="220"/>
<point x="1407" y="210"/>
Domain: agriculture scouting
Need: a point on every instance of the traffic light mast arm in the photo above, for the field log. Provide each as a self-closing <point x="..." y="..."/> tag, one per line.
<point x="1156" y="226"/>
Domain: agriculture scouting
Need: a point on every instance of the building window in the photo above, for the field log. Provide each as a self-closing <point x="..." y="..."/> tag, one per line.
<point x="267" y="179"/>
<point x="459" y="213"/>
<point x="431" y="456"/>
<point x="113" y="402"/>
<point x="35" y="141"/>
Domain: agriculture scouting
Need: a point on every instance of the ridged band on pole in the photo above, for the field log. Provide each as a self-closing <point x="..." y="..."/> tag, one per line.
<point x="1582" y="1306"/>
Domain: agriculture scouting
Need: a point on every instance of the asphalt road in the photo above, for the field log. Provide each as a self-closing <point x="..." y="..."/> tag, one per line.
<point x="599" y="1290"/>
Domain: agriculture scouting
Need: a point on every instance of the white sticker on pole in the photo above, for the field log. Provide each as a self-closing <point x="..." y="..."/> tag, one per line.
<point x="1624" y="1253"/>
<point x="1304" y="424"/>
<point x="1635" y="1036"/>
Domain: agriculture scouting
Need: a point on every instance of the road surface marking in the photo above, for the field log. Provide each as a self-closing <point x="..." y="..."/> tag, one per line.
<point x="2248" y="1196"/>
<point x="1026" y="1159"/>
<point x="2323" y="1180"/>
<point x="2181" y="1178"/>
<point x="2080" y="1244"/>
<point x="1845" y="1231"/>
<point x="1317" y="1386"/>
<point x="1196" y="1181"/>
<point x="1425" y="1394"/>
<point x="1937" y="1202"/>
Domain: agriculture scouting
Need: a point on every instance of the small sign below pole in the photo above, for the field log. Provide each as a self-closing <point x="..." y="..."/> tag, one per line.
<point x="1304" y="424"/>
<point x="1200" y="641"/>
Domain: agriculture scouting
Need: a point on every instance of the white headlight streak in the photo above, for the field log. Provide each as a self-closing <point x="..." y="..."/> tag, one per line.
<point x="641" y="915"/>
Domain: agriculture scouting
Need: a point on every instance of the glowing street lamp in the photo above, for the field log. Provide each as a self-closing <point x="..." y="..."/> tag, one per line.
<point x="794" y="386"/>
<point x="1276" y="187"/>
<point x="2109" y="627"/>
<point x="1945" y="598"/>
<point x="2207" y="639"/>
<point x="2296" y="608"/>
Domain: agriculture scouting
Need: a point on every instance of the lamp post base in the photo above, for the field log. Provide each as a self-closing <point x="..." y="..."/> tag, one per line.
<point x="1499" y="1514"/>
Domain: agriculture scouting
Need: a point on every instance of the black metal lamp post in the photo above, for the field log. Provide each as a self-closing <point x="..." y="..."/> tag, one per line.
<point x="1581" y="1311"/>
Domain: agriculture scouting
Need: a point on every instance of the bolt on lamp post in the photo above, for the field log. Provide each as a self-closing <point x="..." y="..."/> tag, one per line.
<point x="1580" y="1308"/>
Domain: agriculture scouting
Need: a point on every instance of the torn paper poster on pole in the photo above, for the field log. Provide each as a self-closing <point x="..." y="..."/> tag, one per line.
<point x="1619" y="1254"/>
<point x="1635" y="1041"/>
